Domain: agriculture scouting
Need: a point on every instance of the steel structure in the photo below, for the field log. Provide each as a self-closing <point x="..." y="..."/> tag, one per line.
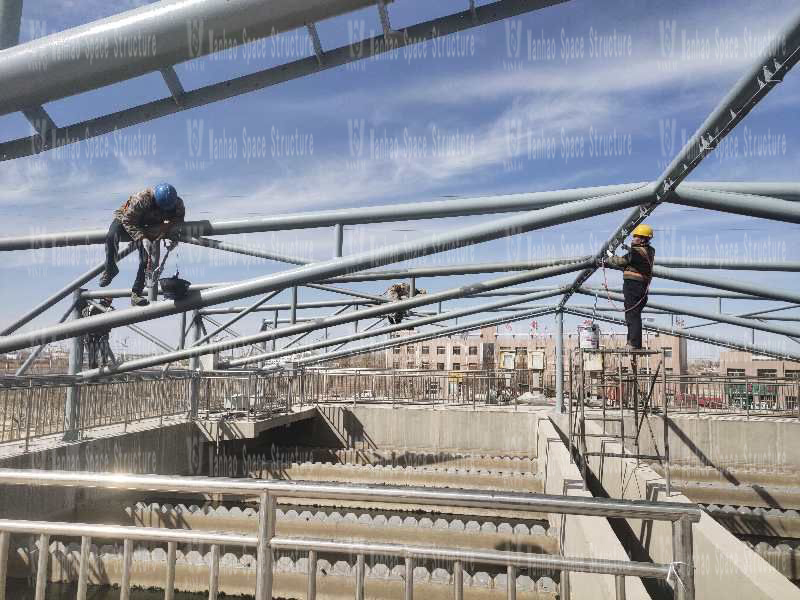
<point x="64" y="74"/>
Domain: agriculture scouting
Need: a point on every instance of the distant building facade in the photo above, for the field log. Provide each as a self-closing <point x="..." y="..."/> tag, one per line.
<point x="484" y="349"/>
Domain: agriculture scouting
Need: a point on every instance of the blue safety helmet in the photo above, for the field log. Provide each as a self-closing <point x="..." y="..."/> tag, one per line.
<point x="166" y="197"/>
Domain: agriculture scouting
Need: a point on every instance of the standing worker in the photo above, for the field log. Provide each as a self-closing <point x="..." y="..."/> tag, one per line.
<point x="637" y="273"/>
<point x="147" y="215"/>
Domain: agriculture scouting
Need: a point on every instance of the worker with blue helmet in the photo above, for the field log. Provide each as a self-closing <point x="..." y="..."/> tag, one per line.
<point x="151" y="214"/>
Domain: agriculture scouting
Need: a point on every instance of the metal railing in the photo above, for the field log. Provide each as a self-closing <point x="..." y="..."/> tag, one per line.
<point x="414" y="386"/>
<point x="31" y="407"/>
<point x="680" y="572"/>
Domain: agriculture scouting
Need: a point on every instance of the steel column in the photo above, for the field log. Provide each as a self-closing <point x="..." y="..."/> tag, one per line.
<point x="72" y="408"/>
<point x="559" y="357"/>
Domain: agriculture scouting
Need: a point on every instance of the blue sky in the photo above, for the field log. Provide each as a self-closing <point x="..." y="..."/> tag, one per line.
<point x="497" y="110"/>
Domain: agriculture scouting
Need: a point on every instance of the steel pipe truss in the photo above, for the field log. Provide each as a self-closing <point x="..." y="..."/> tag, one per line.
<point x="533" y="211"/>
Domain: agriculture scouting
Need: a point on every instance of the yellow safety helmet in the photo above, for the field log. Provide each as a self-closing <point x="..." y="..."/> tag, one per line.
<point x="643" y="231"/>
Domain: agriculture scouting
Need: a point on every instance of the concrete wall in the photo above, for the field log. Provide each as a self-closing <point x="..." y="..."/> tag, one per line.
<point x="479" y="431"/>
<point x="588" y="537"/>
<point x="166" y="451"/>
<point x="732" y="442"/>
<point x="724" y="566"/>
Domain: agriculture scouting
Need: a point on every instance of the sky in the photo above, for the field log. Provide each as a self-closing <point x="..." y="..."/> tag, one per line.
<point x="577" y="94"/>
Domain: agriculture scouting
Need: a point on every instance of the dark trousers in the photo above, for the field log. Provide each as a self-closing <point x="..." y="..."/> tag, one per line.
<point x="635" y="293"/>
<point x="116" y="234"/>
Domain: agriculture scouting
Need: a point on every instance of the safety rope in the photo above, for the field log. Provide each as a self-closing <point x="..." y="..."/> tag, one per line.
<point x="672" y="573"/>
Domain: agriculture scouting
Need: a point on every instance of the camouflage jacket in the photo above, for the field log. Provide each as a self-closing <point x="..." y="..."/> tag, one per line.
<point x="140" y="213"/>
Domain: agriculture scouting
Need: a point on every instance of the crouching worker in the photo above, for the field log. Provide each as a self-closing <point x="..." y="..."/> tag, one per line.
<point x="98" y="350"/>
<point x="397" y="292"/>
<point x="147" y="215"/>
<point x="637" y="273"/>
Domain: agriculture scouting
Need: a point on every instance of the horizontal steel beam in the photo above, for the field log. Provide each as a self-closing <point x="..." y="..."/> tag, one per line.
<point x="712" y="316"/>
<point x="714" y="340"/>
<point x="414" y="211"/>
<point x="760" y="291"/>
<point x="142" y="40"/>
<point x="446" y="240"/>
<point x="332" y="321"/>
<point x="226" y="310"/>
<point x="653" y="291"/>
<point x="741" y="204"/>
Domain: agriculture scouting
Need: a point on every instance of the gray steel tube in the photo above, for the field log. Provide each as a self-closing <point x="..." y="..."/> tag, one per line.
<point x="740" y="204"/>
<point x="698" y="337"/>
<point x="428" y="335"/>
<point x="153" y="534"/>
<point x="62" y="293"/>
<point x="349" y="216"/>
<point x="493" y="557"/>
<point x="217" y="245"/>
<point x="764" y="292"/>
<point x="445" y="241"/>
<point x="785" y="190"/>
<point x="144" y="39"/>
<point x="598" y="507"/>
<point x="718" y="317"/>
<point x="366" y="313"/>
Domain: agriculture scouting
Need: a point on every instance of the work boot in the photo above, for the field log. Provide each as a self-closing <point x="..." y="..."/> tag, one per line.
<point x="137" y="300"/>
<point x="107" y="276"/>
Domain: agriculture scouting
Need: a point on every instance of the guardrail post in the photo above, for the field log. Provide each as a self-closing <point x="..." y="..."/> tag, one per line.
<point x="41" y="566"/>
<point x="511" y="584"/>
<point x="72" y="407"/>
<point x="5" y="538"/>
<point x="360" y="577"/>
<point x="83" y="567"/>
<point x="266" y="531"/>
<point x="312" y="575"/>
<point x="169" y="586"/>
<point x="458" y="581"/>
<point x="194" y="366"/>
<point x="559" y="361"/>
<point x="127" y="557"/>
<point x="409" y="587"/>
<point x="620" y="581"/>
<point x="683" y="556"/>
